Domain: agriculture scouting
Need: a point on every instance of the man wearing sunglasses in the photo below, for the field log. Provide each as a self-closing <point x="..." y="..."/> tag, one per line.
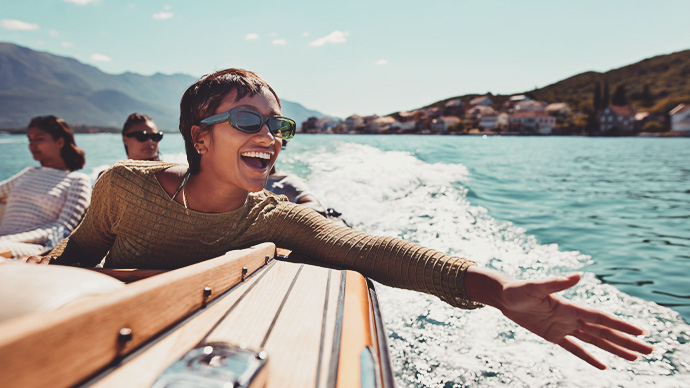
<point x="140" y="137"/>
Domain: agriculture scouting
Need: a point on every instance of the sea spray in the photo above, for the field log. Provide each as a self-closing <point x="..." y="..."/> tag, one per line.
<point x="434" y="345"/>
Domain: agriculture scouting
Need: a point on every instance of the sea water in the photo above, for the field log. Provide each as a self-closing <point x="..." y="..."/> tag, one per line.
<point x="615" y="209"/>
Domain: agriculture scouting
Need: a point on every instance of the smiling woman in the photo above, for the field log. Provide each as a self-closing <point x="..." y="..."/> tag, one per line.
<point x="162" y="215"/>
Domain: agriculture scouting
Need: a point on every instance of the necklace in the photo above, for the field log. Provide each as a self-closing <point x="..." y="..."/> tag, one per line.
<point x="183" y="185"/>
<point x="184" y="196"/>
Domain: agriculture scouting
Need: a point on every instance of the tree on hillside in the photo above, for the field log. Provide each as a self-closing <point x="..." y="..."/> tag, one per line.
<point x="605" y="98"/>
<point x="596" y="98"/>
<point x="668" y="103"/>
<point x="647" y="98"/>
<point x="618" y="97"/>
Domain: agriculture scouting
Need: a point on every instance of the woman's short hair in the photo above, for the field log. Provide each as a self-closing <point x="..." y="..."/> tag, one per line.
<point x="72" y="155"/>
<point x="204" y="96"/>
<point x="136" y="118"/>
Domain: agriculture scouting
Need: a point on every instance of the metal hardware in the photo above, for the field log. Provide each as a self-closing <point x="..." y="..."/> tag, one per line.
<point x="216" y="365"/>
<point x="244" y="272"/>
<point x="267" y="259"/>
<point x="124" y="336"/>
<point x="207" y="293"/>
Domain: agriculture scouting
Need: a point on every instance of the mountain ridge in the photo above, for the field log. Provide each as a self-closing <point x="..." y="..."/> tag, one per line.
<point x="34" y="83"/>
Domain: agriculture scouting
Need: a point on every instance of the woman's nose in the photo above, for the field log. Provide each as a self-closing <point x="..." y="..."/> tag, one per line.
<point x="265" y="136"/>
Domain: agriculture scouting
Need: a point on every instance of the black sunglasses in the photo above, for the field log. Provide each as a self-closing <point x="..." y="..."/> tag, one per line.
<point x="249" y="121"/>
<point x="142" y="136"/>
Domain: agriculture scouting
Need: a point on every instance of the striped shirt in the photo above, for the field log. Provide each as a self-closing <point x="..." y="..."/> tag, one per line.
<point x="43" y="206"/>
<point x="134" y="223"/>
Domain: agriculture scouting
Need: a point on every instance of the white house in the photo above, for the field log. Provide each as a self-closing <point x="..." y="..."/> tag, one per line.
<point x="530" y="106"/>
<point x="443" y="123"/>
<point x="680" y="118"/>
<point x="483" y="101"/>
<point x="558" y="108"/>
<point x="539" y="122"/>
<point x="488" y="121"/>
<point x="354" y="122"/>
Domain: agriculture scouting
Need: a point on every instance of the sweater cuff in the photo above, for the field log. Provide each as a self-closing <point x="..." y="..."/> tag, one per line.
<point x="459" y="295"/>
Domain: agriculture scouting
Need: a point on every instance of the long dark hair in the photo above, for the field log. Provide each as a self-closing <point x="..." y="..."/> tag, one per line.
<point x="204" y="96"/>
<point x="72" y="155"/>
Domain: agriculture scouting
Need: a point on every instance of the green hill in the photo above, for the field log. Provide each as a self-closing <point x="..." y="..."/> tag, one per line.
<point x="651" y="84"/>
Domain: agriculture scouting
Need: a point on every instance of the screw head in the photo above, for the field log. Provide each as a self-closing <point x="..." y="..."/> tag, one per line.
<point x="125" y="335"/>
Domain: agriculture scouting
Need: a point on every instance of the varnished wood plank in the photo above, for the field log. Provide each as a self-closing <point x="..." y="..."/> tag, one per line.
<point x="357" y="330"/>
<point x="5" y="253"/>
<point x="334" y="292"/>
<point x="76" y="341"/>
<point x="142" y="368"/>
<point x="251" y="319"/>
<point x="296" y="337"/>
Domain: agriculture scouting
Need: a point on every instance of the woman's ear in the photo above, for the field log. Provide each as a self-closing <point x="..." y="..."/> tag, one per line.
<point x="199" y="138"/>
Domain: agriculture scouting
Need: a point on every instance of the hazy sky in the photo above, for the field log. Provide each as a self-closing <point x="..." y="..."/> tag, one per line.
<point x="356" y="56"/>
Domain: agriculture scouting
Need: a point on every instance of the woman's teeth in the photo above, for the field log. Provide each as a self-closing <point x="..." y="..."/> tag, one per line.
<point x="256" y="159"/>
<point x="254" y="154"/>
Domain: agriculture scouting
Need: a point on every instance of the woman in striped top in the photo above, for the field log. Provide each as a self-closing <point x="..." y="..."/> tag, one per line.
<point x="44" y="204"/>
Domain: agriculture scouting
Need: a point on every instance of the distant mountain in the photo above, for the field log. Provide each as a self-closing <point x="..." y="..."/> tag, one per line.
<point x="36" y="83"/>
<point x="665" y="77"/>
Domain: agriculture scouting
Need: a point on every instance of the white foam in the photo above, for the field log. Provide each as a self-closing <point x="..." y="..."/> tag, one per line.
<point x="433" y="344"/>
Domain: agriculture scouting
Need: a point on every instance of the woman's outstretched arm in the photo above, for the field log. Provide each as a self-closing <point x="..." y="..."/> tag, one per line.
<point x="535" y="306"/>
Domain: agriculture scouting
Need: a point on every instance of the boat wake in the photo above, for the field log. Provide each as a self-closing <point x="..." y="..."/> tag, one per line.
<point x="434" y="345"/>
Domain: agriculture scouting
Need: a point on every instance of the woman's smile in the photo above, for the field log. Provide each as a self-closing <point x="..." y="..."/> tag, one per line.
<point x="238" y="158"/>
<point x="259" y="160"/>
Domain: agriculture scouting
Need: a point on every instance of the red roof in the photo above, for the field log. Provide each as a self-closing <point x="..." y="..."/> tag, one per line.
<point x="622" y="110"/>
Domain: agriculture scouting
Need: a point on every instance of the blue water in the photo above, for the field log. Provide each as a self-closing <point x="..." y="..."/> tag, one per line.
<point x="615" y="209"/>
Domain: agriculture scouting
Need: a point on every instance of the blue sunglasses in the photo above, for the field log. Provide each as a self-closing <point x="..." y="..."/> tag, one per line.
<point x="249" y="121"/>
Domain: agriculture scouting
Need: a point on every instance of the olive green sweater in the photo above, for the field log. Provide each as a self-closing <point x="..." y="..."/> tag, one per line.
<point x="134" y="223"/>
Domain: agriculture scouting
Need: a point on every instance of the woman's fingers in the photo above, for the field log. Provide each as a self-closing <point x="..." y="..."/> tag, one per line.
<point x="596" y="317"/>
<point x="571" y="346"/>
<point x="615" y="337"/>
<point x="606" y="345"/>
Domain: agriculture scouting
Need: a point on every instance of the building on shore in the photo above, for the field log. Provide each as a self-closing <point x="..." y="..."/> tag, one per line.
<point x="680" y="119"/>
<point x="533" y="122"/>
<point x="617" y="120"/>
<point x="445" y="123"/>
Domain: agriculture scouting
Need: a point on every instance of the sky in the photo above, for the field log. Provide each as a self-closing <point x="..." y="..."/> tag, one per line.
<point x="356" y="56"/>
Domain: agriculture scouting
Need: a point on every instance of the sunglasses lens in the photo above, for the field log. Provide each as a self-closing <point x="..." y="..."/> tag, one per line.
<point x="282" y="127"/>
<point x="141" y="136"/>
<point x="248" y="122"/>
<point x="144" y="136"/>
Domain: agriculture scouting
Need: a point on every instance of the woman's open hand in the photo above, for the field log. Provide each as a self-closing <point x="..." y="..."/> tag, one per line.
<point x="535" y="306"/>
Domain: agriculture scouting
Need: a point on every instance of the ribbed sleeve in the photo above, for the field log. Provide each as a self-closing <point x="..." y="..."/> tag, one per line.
<point x="139" y="226"/>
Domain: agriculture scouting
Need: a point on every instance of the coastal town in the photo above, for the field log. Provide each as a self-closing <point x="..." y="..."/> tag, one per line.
<point x="518" y="115"/>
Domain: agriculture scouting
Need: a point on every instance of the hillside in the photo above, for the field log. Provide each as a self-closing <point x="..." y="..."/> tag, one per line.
<point x="36" y="83"/>
<point x="667" y="78"/>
